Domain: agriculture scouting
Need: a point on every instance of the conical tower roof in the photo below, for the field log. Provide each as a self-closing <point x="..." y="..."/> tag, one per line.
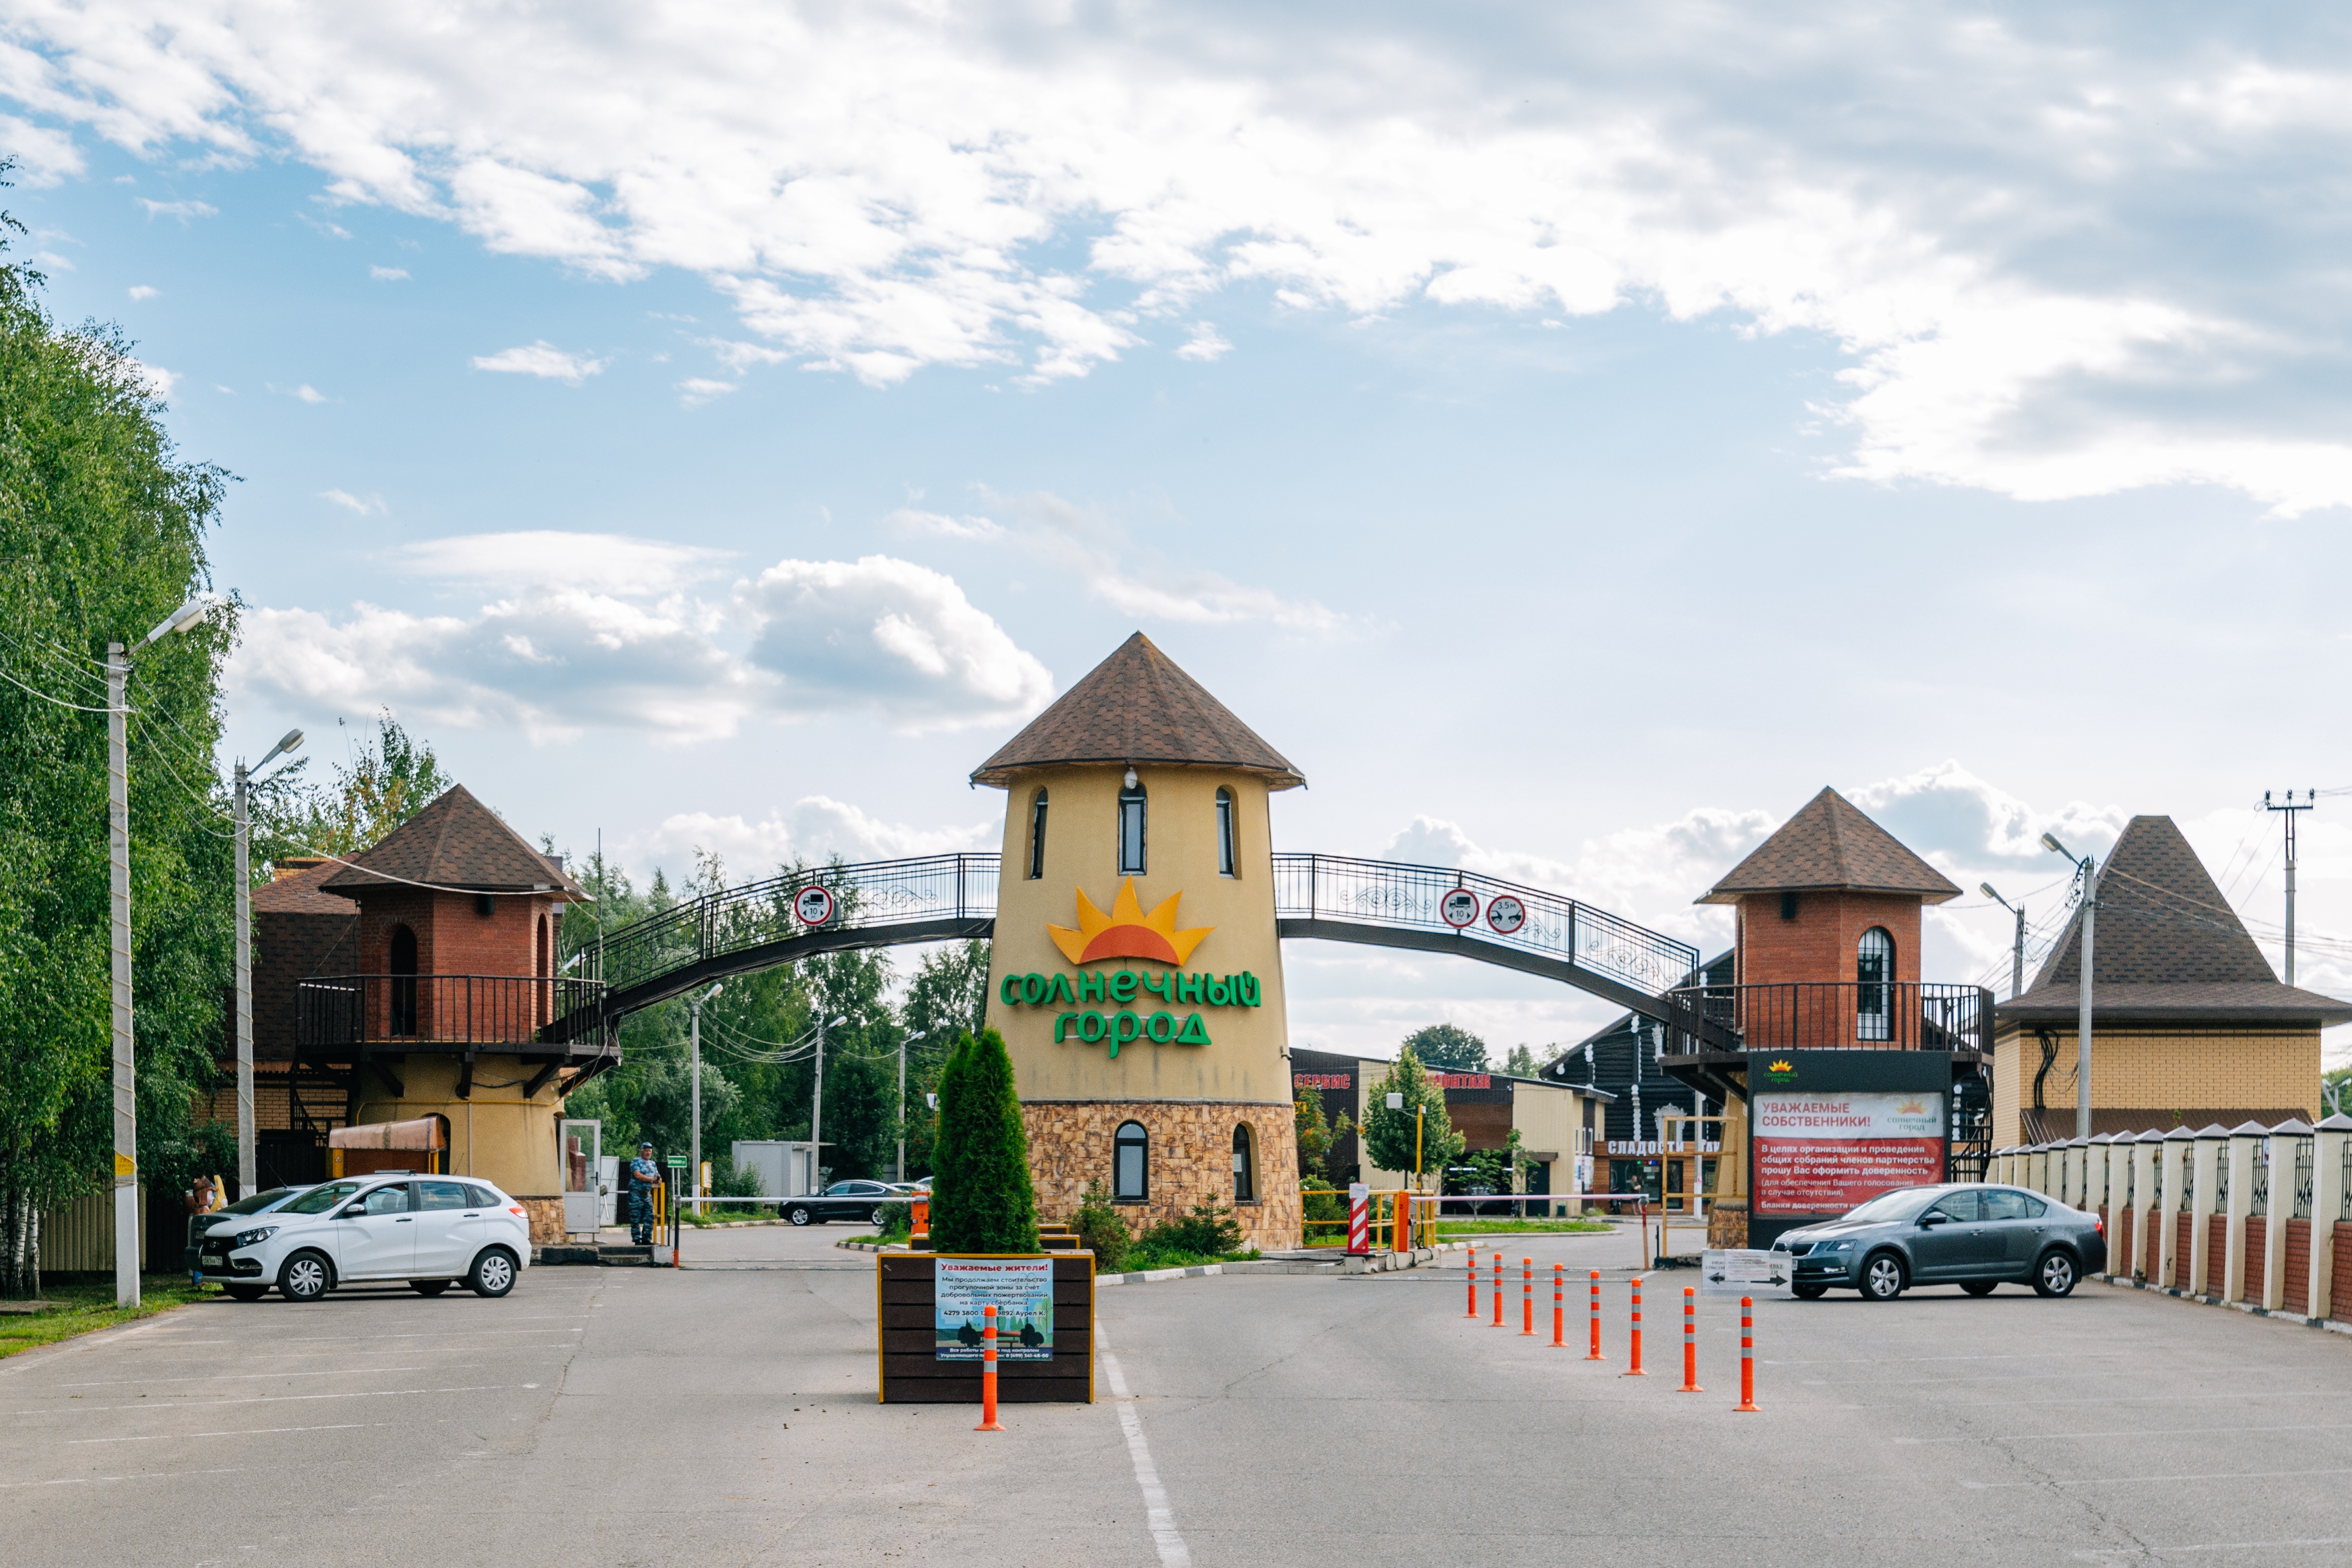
<point x="1137" y="709"/>
<point x="2168" y="947"/>
<point x="1832" y="846"/>
<point x="455" y="842"/>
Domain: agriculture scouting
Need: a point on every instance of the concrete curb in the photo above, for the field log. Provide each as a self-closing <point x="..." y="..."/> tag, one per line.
<point x="2120" y="1282"/>
<point x="1331" y="1268"/>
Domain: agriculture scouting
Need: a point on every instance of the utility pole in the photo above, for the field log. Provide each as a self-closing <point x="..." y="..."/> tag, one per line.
<point x="2017" y="949"/>
<point x="903" y="1044"/>
<point x="2310" y="798"/>
<point x="2088" y="870"/>
<point x="693" y="1041"/>
<point x="817" y="1108"/>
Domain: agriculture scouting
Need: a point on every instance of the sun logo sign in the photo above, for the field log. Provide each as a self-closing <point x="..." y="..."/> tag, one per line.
<point x="1127" y="932"/>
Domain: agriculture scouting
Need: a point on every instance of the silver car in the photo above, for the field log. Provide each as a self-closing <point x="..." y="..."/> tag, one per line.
<point x="1967" y="1234"/>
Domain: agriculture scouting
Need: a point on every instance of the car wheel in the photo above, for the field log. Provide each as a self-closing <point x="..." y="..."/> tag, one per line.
<point x="494" y="1272"/>
<point x="797" y="1213"/>
<point x="429" y="1287"/>
<point x="246" y="1292"/>
<point x="1979" y="1286"/>
<point x="1882" y="1278"/>
<point x="1809" y="1292"/>
<point x="2054" y="1275"/>
<point x="879" y="1218"/>
<point x="306" y="1277"/>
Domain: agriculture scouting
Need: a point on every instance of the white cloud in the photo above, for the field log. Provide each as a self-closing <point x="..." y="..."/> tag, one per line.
<point x="368" y="506"/>
<point x="1205" y="344"/>
<point x="142" y="291"/>
<point x="305" y="393"/>
<point x="388" y="274"/>
<point x="183" y="210"/>
<point x="813" y="828"/>
<point x="695" y="390"/>
<point x="541" y="359"/>
<point x="590" y="631"/>
<point x="52" y="261"/>
<point x="159" y="381"/>
<point x="1140" y="582"/>
<point x="2013" y="261"/>
<point x="979" y="530"/>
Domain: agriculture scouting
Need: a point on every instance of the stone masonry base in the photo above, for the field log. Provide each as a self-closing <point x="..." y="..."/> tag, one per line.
<point x="1190" y="1161"/>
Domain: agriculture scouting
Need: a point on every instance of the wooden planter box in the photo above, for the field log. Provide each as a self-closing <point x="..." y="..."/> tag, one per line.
<point x="905" y="1335"/>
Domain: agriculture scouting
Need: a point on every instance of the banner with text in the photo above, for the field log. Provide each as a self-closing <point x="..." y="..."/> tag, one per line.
<point x="1823" y="1152"/>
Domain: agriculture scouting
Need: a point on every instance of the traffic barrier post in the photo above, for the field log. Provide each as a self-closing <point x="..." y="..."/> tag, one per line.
<point x="1559" y="1310"/>
<point x="1594" y="1354"/>
<point x="1473" y="1256"/>
<point x="1526" y="1298"/>
<point x="1633" y="1361"/>
<point x="1690" y="1343"/>
<point x="1498" y="1291"/>
<point x="1747" y="1354"/>
<point x="988" y="1372"/>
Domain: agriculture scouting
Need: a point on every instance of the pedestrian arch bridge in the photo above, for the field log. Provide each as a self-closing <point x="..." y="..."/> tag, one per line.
<point x="945" y="898"/>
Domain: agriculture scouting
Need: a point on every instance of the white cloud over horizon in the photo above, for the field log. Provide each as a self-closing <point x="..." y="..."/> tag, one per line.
<point x="2004" y="259"/>
<point x="542" y="360"/>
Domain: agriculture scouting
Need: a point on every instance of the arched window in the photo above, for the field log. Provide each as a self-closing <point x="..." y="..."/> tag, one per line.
<point x="1227" y="861"/>
<point x="404" y="981"/>
<point x="1244" y="1191"/>
<point x="1130" y="1163"/>
<point x="1873" y="974"/>
<point x="541" y="961"/>
<point x="1130" y="827"/>
<point x="1037" y="837"/>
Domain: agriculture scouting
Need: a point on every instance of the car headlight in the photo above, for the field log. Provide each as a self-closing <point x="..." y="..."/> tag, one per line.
<point x="253" y="1238"/>
<point x="1834" y="1247"/>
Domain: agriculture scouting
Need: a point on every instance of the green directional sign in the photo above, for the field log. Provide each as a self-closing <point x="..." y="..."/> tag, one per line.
<point x="678" y="1162"/>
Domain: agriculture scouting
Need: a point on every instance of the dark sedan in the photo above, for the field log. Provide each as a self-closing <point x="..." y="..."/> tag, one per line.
<point x="1966" y="1234"/>
<point x="867" y="1201"/>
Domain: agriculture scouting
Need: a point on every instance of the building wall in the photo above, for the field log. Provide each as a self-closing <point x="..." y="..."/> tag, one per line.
<point x="288" y="947"/>
<point x="451" y="938"/>
<point x="1189" y="1161"/>
<point x="494" y="1133"/>
<point x="1820" y="944"/>
<point x="1549" y="1120"/>
<point x="2158" y="1070"/>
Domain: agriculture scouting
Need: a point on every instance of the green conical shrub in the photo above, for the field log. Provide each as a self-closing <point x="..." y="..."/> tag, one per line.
<point x="981" y="1199"/>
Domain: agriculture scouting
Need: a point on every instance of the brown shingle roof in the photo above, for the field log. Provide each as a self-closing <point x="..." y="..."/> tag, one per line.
<point x="1831" y="845"/>
<point x="456" y="841"/>
<point x="1136" y="706"/>
<point x="2168" y="947"/>
<point x="296" y="893"/>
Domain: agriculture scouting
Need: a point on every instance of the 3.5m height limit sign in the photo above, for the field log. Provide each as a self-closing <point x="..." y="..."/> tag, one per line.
<point x="1820" y="1152"/>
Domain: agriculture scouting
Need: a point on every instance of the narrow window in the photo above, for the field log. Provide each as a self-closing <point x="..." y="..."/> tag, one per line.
<point x="1241" y="1191"/>
<point x="1226" y="858"/>
<point x="404" y="981"/>
<point x="1873" y="974"/>
<point x="1130" y="1170"/>
<point x="1130" y="827"/>
<point x="1037" y="837"/>
<point x="1787" y="906"/>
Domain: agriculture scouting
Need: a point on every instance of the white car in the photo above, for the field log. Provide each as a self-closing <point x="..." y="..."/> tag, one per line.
<point x="432" y="1231"/>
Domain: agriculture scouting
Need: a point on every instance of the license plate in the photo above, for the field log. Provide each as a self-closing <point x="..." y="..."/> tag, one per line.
<point x="215" y="1260"/>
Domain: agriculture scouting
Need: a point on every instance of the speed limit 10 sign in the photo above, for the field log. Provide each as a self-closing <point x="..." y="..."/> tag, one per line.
<point x="812" y="905"/>
<point x="1458" y="908"/>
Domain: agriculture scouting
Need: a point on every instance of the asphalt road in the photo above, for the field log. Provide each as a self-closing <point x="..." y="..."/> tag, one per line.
<point x="723" y="1414"/>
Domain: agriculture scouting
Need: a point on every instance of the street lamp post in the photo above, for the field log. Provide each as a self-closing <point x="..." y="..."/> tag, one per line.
<point x="2017" y="948"/>
<point x="118" y="836"/>
<point x="247" y="1175"/>
<point x="2087" y="869"/>
<point x="903" y="1044"/>
<point x="694" y="1041"/>
<point x="816" y="1106"/>
<point x="1396" y="1102"/>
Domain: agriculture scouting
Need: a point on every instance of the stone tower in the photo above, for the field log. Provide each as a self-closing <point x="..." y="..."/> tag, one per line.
<point x="1136" y="972"/>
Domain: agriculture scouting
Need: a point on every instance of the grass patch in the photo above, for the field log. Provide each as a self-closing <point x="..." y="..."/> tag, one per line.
<point x="80" y="1309"/>
<point x="1518" y="1226"/>
<point x="1140" y="1257"/>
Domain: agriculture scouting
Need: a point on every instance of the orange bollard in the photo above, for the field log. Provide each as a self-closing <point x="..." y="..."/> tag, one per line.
<point x="1690" y="1343"/>
<point x="1473" y="1256"/>
<point x="1746" y="1355"/>
<point x="1498" y="1291"/>
<point x="1526" y="1298"/>
<point x="988" y="1372"/>
<point x="1558" y="1314"/>
<point x="1633" y="1366"/>
<point x="1594" y="1354"/>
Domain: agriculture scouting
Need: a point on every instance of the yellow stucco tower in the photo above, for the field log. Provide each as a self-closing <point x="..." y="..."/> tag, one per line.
<point x="1136" y="973"/>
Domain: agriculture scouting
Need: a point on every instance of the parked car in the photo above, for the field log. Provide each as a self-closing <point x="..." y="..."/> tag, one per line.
<point x="431" y="1231"/>
<point x="199" y="1225"/>
<point x="1967" y="1234"/>
<point x="868" y="1201"/>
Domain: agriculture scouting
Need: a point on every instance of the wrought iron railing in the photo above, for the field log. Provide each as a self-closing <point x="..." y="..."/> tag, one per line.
<point x="1833" y="1016"/>
<point x="2343" y="1182"/>
<point x="1415" y="898"/>
<point x="2303" y="1162"/>
<point x="420" y="1011"/>
<point x="2258" y="1194"/>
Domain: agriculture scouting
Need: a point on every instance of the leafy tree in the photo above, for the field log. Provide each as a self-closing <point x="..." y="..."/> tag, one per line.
<point x="102" y="532"/>
<point x="982" y="1201"/>
<point x="388" y="781"/>
<point x="1522" y="1064"/>
<point x="1449" y="1047"/>
<point x="1389" y="1134"/>
<point x="2336" y="1092"/>
<point x="1314" y="1135"/>
<point x="949" y="994"/>
<point x="1102" y="1229"/>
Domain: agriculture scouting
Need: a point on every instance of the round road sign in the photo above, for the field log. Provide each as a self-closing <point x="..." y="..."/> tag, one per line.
<point x="1458" y="908"/>
<point x="1506" y="913"/>
<point x="812" y="905"/>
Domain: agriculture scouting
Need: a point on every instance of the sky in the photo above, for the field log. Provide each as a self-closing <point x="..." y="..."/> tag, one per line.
<point x="1573" y="435"/>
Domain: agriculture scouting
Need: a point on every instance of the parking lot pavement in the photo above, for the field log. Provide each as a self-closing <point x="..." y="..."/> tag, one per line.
<point x="723" y="1414"/>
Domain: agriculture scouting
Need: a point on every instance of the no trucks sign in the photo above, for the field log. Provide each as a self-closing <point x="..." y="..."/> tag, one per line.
<point x="1822" y="1152"/>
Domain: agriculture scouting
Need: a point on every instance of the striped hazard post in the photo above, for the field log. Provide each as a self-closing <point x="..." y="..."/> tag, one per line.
<point x="988" y="1372"/>
<point x="1526" y="1298"/>
<point x="1559" y="1310"/>
<point x="1498" y="1291"/>
<point x="1594" y="1354"/>
<point x="1473" y="1257"/>
<point x="1746" y="1355"/>
<point x="1690" y="1343"/>
<point x="1633" y="1356"/>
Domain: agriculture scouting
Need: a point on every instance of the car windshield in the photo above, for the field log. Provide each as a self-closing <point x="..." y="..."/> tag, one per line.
<point x="319" y="1199"/>
<point x="258" y="1202"/>
<point x="1903" y="1203"/>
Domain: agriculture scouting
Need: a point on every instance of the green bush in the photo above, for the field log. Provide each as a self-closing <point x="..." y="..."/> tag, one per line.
<point x="1209" y="1231"/>
<point x="981" y="1200"/>
<point x="1102" y="1230"/>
